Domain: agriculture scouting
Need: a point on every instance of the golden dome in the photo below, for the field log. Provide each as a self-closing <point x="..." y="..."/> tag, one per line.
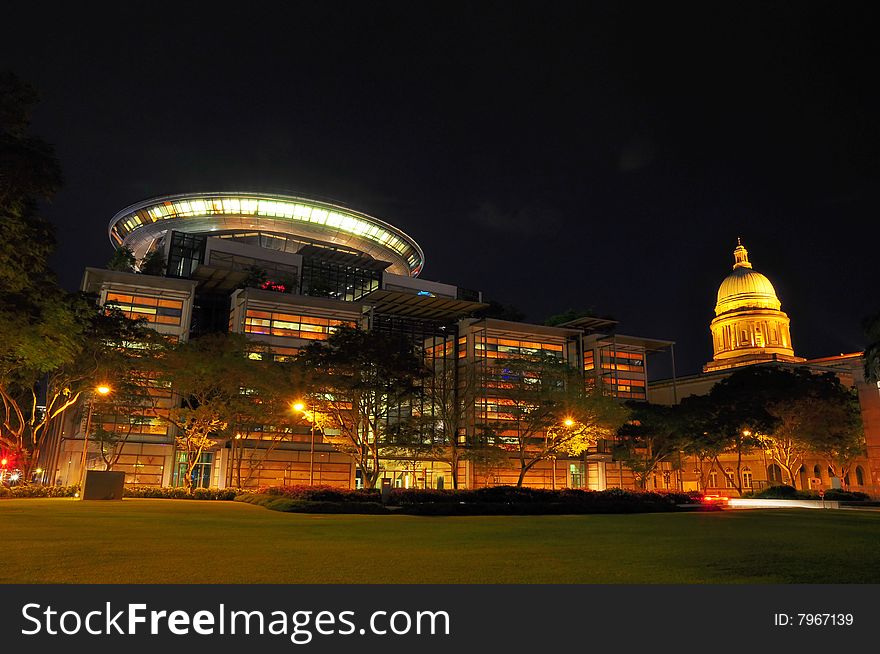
<point x="745" y="288"/>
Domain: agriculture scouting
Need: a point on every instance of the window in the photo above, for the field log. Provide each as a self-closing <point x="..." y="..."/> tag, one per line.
<point x="576" y="475"/>
<point x="817" y="472"/>
<point x="728" y="477"/>
<point x="747" y="477"/>
<point x="713" y="479"/>
<point x="860" y="476"/>
<point x="774" y="473"/>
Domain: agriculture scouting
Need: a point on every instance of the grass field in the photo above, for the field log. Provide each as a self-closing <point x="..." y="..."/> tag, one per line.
<point x="180" y="541"/>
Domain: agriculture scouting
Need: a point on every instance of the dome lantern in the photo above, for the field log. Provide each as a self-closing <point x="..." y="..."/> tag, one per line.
<point x="741" y="256"/>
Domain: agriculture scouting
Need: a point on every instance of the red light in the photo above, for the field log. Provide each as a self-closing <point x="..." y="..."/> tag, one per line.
<point x="709" y="499"/>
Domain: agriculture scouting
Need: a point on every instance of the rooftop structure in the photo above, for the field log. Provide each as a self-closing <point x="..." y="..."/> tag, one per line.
<point x="280" y="222"/>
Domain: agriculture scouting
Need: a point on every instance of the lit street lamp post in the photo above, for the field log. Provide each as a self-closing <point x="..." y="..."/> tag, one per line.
<point x="102" y="389"/>
<point x="299" y="406"/>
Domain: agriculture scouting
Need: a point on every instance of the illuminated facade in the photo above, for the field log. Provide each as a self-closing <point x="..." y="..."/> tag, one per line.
<point x="284" y="223"/>
<point x="288" y="271"/>
<point x="749" y="328"/>
<point x="749" y="325"/>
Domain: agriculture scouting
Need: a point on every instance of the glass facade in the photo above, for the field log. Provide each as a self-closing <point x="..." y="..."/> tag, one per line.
<point x="621" y="370"/>
<point x="154" y="310"/>
<point x="274" y="323"/>
<point x="340" y="281"/>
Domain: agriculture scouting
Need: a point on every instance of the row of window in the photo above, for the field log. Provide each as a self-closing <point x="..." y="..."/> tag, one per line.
<point x="499" y="348"/>
<point x="154" y="310"/>
<point x="774" y="473"/>
<point x="616" y="360"/>
<point x="270" y="323"/>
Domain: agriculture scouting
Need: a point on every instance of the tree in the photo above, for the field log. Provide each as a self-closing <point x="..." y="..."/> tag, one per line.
<point x="836" y="431"/>
<point x="545" y="410"/>
<point x="210" y="374"/>
<point x="572" y="314"/>
<point x="729" y="419"/>
<point x="787" y="413"/>
<point x="29" y="174"/>
<point x="265" y="410"/>
<point x="38" y="327"/>
<point x="695" y="420"/>
<point x="88" y="344"/>
<point x="123" y="260"/>
<point x="500" y="311"/>
<point x="152" y="264"/>
<point x="652" y="435"/>
<point x="362" y="387"/>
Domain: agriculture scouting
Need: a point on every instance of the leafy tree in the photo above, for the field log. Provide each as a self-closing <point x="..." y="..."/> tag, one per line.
<point x="90" y="345"/>
<point x="572" y="314"/>
<point x="210" y="373"/>
<point x="836" y="432"/>
<point x="787" y="413"/>
<point x="256" y="277"/>
<point x="153" y="263"/>
<point x="123" y="260"/>
<point x="546" y="411"/>
<point x="38" y="326"/>
<point x="500" y="311"/>
<point x="652" y="435"/>
<point x="266" y="409"/>
<point x="29" y="173"/>
<point x="362" y="385"/>
<point x="450" y="393"/>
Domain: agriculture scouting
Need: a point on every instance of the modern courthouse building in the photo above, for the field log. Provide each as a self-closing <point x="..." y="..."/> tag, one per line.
<point x="329" y="266"/>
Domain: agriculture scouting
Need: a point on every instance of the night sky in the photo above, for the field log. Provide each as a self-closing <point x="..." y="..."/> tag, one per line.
<point x="553" y="155"/>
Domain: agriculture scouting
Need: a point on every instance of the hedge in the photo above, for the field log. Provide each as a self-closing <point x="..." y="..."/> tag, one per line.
<point x="12" y="492"/>
<point x="165" y="493"/>
<point x="289" y="505"/>
<point x="498" y="500"/>
<point x="785" y="492"/>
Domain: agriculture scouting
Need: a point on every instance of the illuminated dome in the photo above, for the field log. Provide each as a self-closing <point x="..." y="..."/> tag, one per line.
<point x="749" y="325"/>
<point x="745" y="287"/>
<point x="289" y="223"/>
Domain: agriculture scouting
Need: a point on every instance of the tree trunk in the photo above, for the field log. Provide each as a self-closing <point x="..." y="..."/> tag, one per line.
<point x="453" y="472"/>
<point x="791" y="476"/>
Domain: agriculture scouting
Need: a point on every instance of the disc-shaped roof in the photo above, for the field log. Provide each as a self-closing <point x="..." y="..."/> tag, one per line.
<point x="139" y="225"/>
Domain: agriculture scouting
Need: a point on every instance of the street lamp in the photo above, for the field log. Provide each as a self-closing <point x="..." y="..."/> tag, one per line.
<point x="568" y="423"/>
<point x="301" y="408"/>
<point x="101" y="389"/>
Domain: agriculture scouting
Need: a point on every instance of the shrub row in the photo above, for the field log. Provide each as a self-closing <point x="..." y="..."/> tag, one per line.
<point x="290" y="505"/>
<point x="180" y="493"/>
<point x="320" y="493"/>
<point x="522" y="496"/>
<point x="785" y="492"/>
<point x="10" y="492"/>
<point x="498" y="500"/>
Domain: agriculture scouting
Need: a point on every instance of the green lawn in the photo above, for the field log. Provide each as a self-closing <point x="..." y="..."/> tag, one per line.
<point x="180" y="541"/>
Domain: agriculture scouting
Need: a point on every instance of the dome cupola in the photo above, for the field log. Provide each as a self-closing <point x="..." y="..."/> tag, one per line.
<point x="749" y="325"/>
